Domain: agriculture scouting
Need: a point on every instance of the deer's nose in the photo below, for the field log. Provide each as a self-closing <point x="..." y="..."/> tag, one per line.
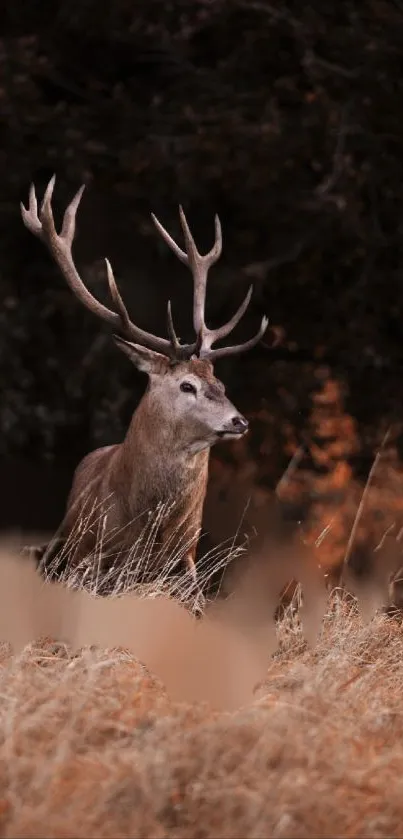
<point x="240" y="424"/>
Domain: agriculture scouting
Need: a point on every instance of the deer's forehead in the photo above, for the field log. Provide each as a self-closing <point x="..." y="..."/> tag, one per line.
<point x="201" y="369"/>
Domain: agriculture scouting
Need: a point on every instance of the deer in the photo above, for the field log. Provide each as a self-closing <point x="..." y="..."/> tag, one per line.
<point x="184" y="411"/>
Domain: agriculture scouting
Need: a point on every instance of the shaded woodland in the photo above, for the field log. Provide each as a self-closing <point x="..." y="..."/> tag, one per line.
<point x="286" y="119"/>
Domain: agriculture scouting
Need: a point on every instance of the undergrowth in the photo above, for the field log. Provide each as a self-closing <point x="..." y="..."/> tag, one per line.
<point x="92" y="745"/>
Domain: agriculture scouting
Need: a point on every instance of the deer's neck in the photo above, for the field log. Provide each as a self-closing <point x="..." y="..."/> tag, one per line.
<point x="155" y="465"/>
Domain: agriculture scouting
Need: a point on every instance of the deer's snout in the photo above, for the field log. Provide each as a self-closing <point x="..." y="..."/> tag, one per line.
<point x="239" y="424"/>
<point x="235" y="426"/>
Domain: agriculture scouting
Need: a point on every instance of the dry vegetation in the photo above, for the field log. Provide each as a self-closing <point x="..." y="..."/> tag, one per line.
<point x="93" y="745"/>
<point x="149" y="723"/>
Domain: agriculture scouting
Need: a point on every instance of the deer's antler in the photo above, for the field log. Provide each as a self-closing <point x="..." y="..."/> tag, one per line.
<point x="42" y="225"/>
<point x="200" y="265"/>
<point x="60" y="245"/>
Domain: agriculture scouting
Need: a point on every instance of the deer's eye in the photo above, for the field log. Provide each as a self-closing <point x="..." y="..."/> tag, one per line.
<point x="187" y="387"/>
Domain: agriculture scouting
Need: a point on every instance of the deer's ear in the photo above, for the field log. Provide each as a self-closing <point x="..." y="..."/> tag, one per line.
<point x="149" y="361"/>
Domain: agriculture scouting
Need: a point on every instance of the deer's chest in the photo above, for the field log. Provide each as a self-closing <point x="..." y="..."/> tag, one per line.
<point x="170" y="483"/>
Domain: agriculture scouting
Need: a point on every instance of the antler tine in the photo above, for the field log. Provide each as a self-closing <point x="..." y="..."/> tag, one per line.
<point x="30" y="216"/>
<point x="60" y="246"/>
<point x="171" y="329"/>
<point x="223" y="352"/>
<point x="182" y="256"/>
<point x="69" y="219"/>
<point x="116" y="297"/>
<point x="213" y="335"/>
<point x="209" y="258"/>
<point x="199" y="265"/>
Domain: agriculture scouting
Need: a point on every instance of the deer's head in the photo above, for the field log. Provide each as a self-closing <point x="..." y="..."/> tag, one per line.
<point x="182" y="384"/>
<point x="186" y="398"/>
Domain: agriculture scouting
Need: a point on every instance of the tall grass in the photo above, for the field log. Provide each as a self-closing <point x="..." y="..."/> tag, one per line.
<point x="147" y="567"/>
<point x="92" y="745"/>
<point x="149" y="723"/>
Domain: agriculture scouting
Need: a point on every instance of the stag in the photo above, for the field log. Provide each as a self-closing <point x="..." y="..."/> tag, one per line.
<point x="183" y="413"/>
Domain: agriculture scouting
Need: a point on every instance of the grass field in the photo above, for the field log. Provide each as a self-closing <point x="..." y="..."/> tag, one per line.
<point x="92" y="745"/>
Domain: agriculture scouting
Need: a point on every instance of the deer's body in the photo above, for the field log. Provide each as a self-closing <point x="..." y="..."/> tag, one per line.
<point x="163" y="460"/>
<point x="115" y="487"/>
<point x="106" y="497"/>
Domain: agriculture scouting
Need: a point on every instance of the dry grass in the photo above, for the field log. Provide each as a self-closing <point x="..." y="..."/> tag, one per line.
<point x="92" y="745"/>
<point x="95" y="743"/>
<point x="145" y="565"/>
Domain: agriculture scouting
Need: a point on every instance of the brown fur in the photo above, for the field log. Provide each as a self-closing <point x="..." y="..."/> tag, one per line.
<point x="115" y="487"/>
